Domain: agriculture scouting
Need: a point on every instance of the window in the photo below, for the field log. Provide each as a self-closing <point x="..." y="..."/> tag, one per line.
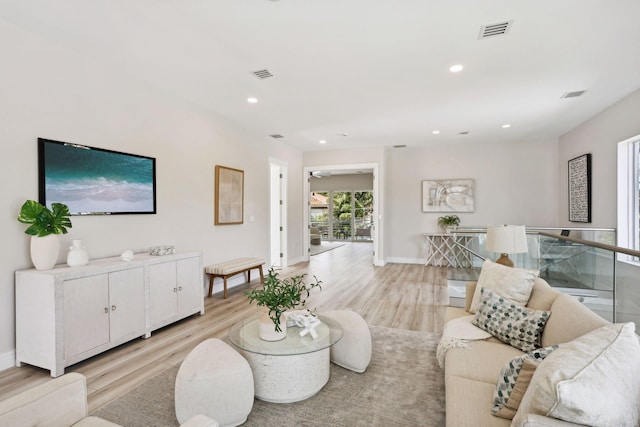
<point x="629" y="195"/>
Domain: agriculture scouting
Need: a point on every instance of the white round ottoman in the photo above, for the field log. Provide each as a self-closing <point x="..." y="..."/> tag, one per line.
<point x="353" y="351"/>
<point x="216" y="381"/>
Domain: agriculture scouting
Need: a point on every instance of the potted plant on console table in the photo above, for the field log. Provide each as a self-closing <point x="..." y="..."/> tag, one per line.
<point x="44" y="226"/>
<point x="448" y="221"/>
<point x="277" y="296"/>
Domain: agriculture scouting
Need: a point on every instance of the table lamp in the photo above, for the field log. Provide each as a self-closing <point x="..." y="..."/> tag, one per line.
<point x="506" y="239"/>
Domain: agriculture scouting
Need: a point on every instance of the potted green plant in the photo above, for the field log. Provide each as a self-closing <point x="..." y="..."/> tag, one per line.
<point x="277" y="296"/>
<point x="447" y="221"/>
<point x="44" y="227"/>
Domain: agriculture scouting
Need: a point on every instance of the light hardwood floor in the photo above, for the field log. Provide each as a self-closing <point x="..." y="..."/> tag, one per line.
<point x="404" y="296"/>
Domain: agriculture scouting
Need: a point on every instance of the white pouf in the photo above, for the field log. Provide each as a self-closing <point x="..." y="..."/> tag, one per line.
<point x="353" y="351"/>
<point x="214" y="380"/>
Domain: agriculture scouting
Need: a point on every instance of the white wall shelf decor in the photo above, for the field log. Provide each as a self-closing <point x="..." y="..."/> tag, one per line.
<point x="68" y="314"/>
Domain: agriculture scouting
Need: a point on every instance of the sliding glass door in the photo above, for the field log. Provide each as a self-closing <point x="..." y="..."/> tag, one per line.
<point x="342" y="215"/>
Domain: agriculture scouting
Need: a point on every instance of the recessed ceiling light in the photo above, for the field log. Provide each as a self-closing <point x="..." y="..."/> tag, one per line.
<point x="252" y="100"/>
<point x="435" y="132"/>
<point x="507" y="125"/>
<point x="322" y="141"/>
<point x="456" y="68"/>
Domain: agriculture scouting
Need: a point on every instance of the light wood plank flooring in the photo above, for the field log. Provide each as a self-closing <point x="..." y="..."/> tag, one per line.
<point x="397" y="295"/>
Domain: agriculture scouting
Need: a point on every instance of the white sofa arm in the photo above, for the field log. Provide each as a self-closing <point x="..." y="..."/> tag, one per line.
<point x="533" y="420"/>
<point x="59" y="402"/>
<point x="200" y="421"/>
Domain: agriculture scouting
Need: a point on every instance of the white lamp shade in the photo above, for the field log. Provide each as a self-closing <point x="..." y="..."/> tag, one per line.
<point x="507" y="239"/>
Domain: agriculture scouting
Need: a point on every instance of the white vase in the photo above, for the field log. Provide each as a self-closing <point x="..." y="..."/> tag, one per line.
<point x="77" y="255"/>
<point x="268" y="331"/>
<point x="44" y="251"/>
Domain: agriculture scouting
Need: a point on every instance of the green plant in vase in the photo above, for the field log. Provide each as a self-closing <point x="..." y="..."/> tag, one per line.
<point x="44" y="221"/>
<point x="447" y="221"/>
<point x="279" y="295"/>
<point x="44" y="226"/>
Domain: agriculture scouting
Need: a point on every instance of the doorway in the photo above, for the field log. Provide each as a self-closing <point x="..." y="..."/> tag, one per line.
<point x="277" y="214"/>
<point x="345" y="222"/>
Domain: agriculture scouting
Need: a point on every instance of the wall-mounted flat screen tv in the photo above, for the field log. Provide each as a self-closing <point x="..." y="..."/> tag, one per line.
<point x="94" y="181"/>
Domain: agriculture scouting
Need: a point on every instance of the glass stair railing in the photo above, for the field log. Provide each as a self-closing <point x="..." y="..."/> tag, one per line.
<point x="604" y="277"/>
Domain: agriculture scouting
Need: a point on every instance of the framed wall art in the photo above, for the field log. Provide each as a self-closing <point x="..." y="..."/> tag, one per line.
<point x="448" y="195"/>
<point x="580" y="189"/>
<point x="229" y="196"/>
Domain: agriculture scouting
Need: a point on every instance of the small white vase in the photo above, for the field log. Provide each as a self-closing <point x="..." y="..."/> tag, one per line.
<point x="44" y="251"/>
<point x="77" y="255"/>
<point x="268" y="331"/>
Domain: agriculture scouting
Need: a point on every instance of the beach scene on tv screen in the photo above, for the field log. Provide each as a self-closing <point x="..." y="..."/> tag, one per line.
<point x="97" y="182"/>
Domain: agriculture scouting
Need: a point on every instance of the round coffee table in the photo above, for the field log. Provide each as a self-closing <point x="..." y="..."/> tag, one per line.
<point x="292" y="369"/>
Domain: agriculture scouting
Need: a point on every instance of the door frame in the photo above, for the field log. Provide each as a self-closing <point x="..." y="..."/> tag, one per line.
<point x="378" y="225"/>
<point x="281" y="208"/>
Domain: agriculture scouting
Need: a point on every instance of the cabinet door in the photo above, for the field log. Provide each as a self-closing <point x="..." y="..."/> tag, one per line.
<point x="126" y="298"/>
<point x="190" y="286"/>
<point x="86" y="315"/>
<point x="163" y="292"/>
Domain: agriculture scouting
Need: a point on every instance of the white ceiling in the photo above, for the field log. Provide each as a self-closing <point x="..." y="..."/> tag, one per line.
<point x="375" y="69"/>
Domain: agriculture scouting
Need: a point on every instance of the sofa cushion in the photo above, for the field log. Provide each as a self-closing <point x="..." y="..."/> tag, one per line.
<point x="542" y="295"/>
<point x="514" y="380"/>
<point x="592" y="380"/>
<point x="468" y="403"/>
<point x="511" y="323"/>
<point x="481" y="362"/>
<point x="512" y="283"/>
<point x="570" y="319"/>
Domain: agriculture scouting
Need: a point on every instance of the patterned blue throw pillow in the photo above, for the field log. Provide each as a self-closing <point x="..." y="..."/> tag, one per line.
<point x="505" y="397"/>
<point x="518" y="326"/>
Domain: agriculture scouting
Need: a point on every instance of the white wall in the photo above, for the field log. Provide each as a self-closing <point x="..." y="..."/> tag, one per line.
<point x="599" y="136"/>
<point x="50" y="92"/>
<point x="515" y="183"/>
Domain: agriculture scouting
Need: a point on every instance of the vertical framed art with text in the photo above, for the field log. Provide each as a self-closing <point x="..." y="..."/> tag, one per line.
<point x="580" y="189"/>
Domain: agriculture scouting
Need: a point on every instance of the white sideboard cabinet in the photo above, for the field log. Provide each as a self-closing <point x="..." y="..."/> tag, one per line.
<point x="69" y="314"/>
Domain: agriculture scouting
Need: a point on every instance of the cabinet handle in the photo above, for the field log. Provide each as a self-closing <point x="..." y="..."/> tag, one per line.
<point x="113" y="308"/>
<point x="180" y="288"/>
<point x="175" y="289"/>
<point x="106" y="310"/>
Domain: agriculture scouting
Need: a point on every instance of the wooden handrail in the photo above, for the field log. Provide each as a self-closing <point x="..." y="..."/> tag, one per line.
<point x="606" y="247"/>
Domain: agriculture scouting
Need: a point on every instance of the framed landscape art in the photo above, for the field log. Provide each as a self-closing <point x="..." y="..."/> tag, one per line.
<point x="229" y="196"/>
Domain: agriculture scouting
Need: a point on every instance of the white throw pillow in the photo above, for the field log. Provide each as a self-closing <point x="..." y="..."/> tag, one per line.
<point x="593" y="380"/>
<point x="512" y="283"/>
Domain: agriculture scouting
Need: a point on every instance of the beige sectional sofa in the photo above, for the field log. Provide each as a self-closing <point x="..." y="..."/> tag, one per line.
<point x="471" y="373"/>
<point x="62" y="402"/>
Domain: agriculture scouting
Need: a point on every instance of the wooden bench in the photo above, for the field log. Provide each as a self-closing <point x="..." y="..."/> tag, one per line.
<point x="231" y="268"/>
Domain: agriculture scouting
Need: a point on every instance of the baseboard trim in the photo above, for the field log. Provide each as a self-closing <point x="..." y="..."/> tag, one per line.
<point x="7" y="360"/>
<point x="406" y="260"/>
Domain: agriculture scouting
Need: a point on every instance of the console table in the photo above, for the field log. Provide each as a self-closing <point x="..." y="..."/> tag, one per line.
<point x="292" y="369"/>
<point x="441" y="250"/>
<point x="68" y="314"/>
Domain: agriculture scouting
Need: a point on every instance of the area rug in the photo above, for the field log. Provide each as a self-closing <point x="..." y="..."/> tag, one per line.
<point x="323" y="247"/>
<point x="403" y="386"/>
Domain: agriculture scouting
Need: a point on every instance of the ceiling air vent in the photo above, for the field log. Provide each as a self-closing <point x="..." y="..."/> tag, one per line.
<point x="262" y="74"/>
<point x="276" y="135"/>
<point x="574" y="94"/>
<point x="492" y="30"/>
